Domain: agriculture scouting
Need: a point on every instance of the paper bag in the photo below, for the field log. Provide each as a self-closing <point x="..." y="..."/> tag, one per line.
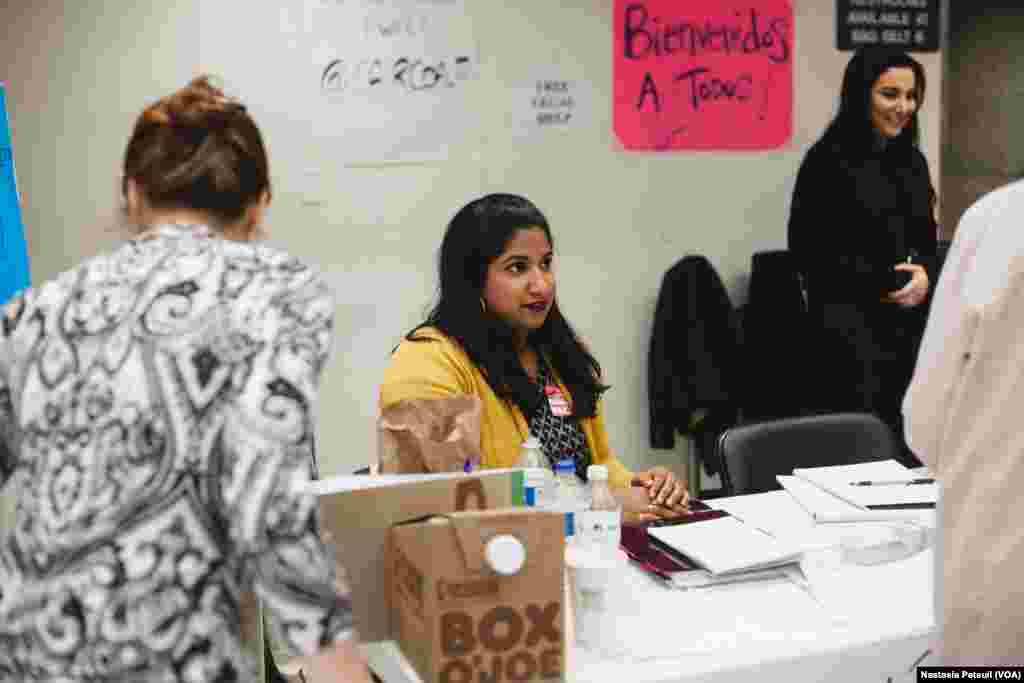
<point x="430" y="435"/>
<point x="458" y="619"/>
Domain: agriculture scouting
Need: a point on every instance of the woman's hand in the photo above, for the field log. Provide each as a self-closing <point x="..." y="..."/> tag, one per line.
<point x="914" y="292"/>
<point x="637" y="507"/>
<point x="666" y="494"/>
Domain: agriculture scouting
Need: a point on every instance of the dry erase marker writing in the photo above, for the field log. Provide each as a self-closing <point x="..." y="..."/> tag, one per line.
<point x="892" y="482"/>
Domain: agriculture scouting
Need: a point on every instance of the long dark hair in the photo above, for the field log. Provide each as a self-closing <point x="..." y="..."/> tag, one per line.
<point x="476" y="236"/>
<point x="852" y="129"/>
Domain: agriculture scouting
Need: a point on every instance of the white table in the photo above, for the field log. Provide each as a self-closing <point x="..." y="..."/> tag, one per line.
<point x="864" y="624"/>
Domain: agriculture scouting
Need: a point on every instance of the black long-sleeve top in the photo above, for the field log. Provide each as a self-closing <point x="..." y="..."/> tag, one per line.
<point x="855" y="215"/>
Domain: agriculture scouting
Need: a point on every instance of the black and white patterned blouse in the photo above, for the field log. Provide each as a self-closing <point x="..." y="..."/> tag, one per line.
<point x="560" y="436"/>
<point x="156" y="421"/>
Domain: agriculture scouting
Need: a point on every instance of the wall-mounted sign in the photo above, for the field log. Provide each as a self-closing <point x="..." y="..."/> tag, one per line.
<point x="703" y="74"/>
<point x="369" y="81"/>
<point x="552" y="100"/>
<point x="911" y="25"/>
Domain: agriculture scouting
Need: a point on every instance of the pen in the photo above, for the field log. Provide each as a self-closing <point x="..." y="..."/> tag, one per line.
<point x="892" y="482"/>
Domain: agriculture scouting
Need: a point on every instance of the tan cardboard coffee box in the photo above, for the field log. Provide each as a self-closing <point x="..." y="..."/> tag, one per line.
<point x="358" y="522"/>
<point x="457" y="618"/>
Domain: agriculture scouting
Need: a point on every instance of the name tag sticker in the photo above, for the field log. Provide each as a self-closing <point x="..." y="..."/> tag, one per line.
<point x="557" y="401"/>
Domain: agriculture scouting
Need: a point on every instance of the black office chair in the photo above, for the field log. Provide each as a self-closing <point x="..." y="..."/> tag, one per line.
<point x="752" y="455"/>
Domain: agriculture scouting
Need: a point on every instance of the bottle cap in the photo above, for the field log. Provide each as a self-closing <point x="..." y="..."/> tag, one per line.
<point x="505" y="554"/>
<point x="565" y="464"/>
<point x="597" y="473"/>
<point x="531" y="442"/>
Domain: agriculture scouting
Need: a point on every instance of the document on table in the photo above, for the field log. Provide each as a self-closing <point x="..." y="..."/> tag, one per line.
<point x="738" y="617"/>
<point x="898" y="591"/>
<point x="891" y="485"/>
<point x="825" y="507"/>
<point x="725" y="545"/>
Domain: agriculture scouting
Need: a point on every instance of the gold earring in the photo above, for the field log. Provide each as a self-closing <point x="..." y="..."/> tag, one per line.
<point x="483" y="305"/>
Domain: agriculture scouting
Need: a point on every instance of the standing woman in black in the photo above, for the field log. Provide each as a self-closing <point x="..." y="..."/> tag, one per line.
<point x="863" y="233"/>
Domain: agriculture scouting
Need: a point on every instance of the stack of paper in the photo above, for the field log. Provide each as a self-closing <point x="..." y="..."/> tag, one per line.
<point x="824" y="507"/>
<point x="725" y="545"/>
<point x="880" y="485"/>
<point x="675" y="570"/>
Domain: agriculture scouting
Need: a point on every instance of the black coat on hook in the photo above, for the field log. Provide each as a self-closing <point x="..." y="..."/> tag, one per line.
<point x="694" y="362"/>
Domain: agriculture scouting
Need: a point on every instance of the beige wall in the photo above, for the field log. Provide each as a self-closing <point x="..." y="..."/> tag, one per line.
<point x="984" y="94"/>
<point x="78" y="76"/>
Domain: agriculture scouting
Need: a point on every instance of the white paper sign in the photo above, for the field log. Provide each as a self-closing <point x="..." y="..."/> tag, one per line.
<point x="551" y="100"/>
<point x="376" y="80"/>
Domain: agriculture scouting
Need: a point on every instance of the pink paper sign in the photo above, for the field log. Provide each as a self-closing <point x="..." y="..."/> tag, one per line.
<point x="703" y="74"/>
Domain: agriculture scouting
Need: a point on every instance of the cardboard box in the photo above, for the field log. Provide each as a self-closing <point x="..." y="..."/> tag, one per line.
<point x="457" y="619"/>
<point x="358" y="521"/>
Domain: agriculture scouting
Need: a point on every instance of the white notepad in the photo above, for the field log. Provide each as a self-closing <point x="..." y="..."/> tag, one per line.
<point x="824" y="507"/>
<point x="726" y="544"/>
<point x="839" y="481"/>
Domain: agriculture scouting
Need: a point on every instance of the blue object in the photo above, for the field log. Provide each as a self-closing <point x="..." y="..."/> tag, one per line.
<point x="14" y="273"/>
<point x="568" y="499"/>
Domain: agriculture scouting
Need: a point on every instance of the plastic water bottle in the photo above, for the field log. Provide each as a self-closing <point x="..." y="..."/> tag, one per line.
<point x="601" y="523"/>
<point x="597" y="567"/>
<point x="569" y="495"/>
<point x="535" y="473"/>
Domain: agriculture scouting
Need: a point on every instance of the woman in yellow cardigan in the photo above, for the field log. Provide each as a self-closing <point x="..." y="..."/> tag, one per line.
<point x="497" y="333"/>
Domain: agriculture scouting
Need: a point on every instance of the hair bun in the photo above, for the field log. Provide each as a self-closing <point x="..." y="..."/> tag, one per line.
<point x="198" y="148"/>
<point x="201" y="104"/>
